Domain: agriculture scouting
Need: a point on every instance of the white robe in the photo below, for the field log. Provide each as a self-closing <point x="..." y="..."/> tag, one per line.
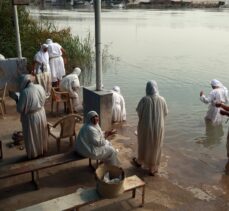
<point x="43" y="77"/>
<point x="213" y="113"/>
<point x="151" y="112"/>
<point x="118" y="107"/>
<point x="71" y="84"/>
<point x="91" y="143"/>
<point x="56" y="61"/>
<point x="33" y="118"/>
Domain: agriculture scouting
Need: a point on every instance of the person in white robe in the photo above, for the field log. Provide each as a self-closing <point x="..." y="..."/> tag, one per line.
<point x="219" y="94"/>
<point x="118" y="105"/>
<point x="42" y="69"/>
<point x="71" y="84"/>
<point x="152" y="110"/>
<point x="56" y="61"/>
<point x="33" y="118"/>
<point x="91" y="141"/>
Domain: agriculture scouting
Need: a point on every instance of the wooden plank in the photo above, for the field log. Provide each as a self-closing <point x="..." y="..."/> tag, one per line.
<point x="37" y="164"/>
<point x="78" y="198"/>
<point x="81" y="197"/>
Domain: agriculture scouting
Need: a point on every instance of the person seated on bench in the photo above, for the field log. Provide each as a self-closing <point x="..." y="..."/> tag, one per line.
<point x="33" y="118"/>
<point x="91" y="141"/>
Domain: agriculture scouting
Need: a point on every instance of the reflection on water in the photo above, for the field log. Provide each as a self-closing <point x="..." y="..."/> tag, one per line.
<point x="213" y="134"/>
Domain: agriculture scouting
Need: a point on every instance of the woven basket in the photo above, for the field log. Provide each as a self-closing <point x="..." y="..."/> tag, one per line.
<point x="107" y="190"/>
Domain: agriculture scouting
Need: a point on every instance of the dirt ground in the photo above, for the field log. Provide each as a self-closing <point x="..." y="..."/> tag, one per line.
<point x="184" y="182"/>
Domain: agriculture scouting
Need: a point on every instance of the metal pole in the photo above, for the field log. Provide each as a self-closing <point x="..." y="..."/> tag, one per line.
<point x="98" y="55"/>
<point x="17" y="32"/>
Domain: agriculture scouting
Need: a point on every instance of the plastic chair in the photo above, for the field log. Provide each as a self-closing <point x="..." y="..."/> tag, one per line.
<point x="2" y="100"/>
<point x="64" y="128"/>
<point x="60" y="97"/>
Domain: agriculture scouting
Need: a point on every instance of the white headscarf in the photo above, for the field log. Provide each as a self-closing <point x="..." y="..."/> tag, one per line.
<point x="215" y="82"/>
<point x="116" y="88"/>
<point x="49" y="41"/>
<point x="152" y="88"/>
<point x="76" y="71"/>
<point x="90" y="114"/>
<point x="44" y="46"/>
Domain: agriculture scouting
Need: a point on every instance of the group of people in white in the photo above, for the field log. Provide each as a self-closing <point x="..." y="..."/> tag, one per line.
<point x="49" y="65"/>
<point x="91" y="140"/>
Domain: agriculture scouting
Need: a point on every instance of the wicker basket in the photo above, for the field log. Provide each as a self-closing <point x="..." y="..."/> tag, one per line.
<point x="107" y="190"/>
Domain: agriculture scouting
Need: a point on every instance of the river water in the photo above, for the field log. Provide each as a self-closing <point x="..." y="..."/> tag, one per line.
<point x="181" y="49"/>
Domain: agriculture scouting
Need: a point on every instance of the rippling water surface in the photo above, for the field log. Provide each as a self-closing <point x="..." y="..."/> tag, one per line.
<point x="181" y="49"/>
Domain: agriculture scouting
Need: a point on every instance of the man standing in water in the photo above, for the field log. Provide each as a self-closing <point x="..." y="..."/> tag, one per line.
<point x="152" y="110"/>
<point x="219" y="94"/>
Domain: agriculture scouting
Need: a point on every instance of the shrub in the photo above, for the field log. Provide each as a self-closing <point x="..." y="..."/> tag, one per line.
<point x="33" y="33"/>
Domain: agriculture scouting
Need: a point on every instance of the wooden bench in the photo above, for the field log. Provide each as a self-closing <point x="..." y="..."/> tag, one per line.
<point x="33" y="166"/>
<point x="85" y="196"/>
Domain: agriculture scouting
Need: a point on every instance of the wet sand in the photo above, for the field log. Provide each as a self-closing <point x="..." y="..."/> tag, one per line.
<point x="187" y="179"/>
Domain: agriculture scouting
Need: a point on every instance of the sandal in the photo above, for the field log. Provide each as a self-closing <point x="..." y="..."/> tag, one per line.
<point x="135" y="162"/>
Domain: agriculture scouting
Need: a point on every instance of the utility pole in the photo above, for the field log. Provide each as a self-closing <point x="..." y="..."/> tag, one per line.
<point x="18" y="40"/>
<point x="97" y="6"/>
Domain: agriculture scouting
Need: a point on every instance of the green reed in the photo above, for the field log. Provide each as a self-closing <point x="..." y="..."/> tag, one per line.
<point x="35" y="32"/>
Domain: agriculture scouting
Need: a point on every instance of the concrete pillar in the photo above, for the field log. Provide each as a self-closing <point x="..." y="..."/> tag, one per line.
<point x="101" y="102"/>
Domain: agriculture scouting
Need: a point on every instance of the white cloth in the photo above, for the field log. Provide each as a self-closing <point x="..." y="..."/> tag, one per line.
<point x="44" y="79"/>
<point x="91" y="143"/>
<point x="42" y="70"/>
<point x="33" y="118"/>
<point x="42" y="61"/>
<point x="2" y="57"/>
<point x="71" y="84"/>
<point x="219" y="94"/>
<point x="56" y="61"/>
<point x="118" y="106"/>
<point x="151" y="110"/>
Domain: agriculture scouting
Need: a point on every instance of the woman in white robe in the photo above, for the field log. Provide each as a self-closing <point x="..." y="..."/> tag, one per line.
<point x="151" y="110"/>
<point x="91" y="141"/>
<point x="42" y="69"/>
<point x="118" y="107"/>
<point x="71" y="84"/>
<point x="33" y="118"/>
<point x="219" y="94"/>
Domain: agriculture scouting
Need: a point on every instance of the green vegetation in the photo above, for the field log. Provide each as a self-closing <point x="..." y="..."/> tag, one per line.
<point x="33" y="33"/>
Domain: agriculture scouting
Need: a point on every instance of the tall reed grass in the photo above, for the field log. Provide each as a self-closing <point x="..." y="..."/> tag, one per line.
<point x="35" y="32"/>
